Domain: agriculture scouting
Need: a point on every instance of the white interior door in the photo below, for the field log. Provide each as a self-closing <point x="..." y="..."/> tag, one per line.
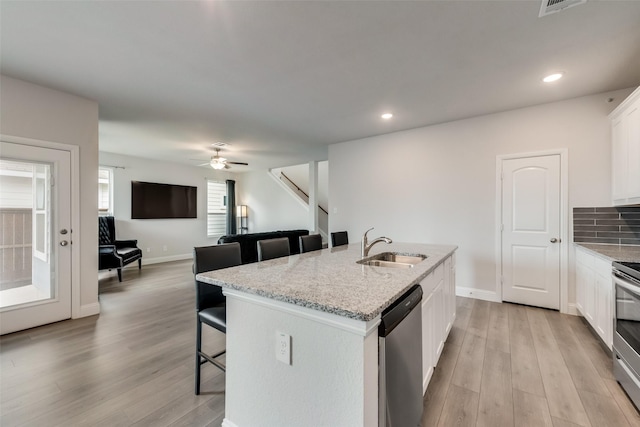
<point x="35" y="213"/>
<point x="531" y="231"/>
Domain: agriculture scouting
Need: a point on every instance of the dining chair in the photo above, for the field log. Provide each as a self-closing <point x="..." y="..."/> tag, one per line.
<point x="339" y="238"/>
<point x="211" y="304"/>
<point x="312" y="242"/>
<point x="273" y="248"/>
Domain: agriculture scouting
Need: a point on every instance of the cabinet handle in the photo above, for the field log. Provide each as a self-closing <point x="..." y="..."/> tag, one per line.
<point x="553" y="240"/>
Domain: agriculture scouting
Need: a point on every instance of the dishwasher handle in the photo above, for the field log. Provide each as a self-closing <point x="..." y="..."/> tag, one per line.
<point x="394" y="314"/>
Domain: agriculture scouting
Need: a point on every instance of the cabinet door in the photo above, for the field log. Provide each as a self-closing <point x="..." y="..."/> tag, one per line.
<point x="619" y="166"/>
<point x="439" y="323"/>
<point x="604" y="320"/>
<point x="581" y="294"/>
<point x="428" y="344"/>
<point x="604" y="300"/>
<point x="590" y="297"/>
<point x="632" y="127"/>
<point x="449" y="296"/>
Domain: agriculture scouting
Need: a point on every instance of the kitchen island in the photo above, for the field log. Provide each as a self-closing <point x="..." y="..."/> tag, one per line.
<point x="330" y="306"/>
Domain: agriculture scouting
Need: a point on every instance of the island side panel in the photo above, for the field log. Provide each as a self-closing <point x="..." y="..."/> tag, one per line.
<point x="332" y="379"/>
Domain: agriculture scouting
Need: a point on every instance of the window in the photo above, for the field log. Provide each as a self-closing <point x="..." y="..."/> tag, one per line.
<point x="105" y="191"/>
<point x="216" y="209"/>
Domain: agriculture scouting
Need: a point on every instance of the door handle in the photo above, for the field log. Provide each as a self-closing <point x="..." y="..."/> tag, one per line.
<point x="63" y="243"/>
<point x="553" y="240"/>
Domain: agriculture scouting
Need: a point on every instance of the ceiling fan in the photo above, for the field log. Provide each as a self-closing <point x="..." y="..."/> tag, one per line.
<point x="218" y="162"/>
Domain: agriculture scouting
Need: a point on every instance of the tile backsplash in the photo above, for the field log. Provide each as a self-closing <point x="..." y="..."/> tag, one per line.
<point x="617" y="225"/>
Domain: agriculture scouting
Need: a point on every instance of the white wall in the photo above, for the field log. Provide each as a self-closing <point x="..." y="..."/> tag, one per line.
<point x="178" y="236"/>
<point x="437" y="184"/>
<point x="36" y="112"/>
<point x="270" y="206"/>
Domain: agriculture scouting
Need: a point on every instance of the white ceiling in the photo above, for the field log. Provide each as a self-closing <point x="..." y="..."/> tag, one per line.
<point x="280" y="81"/>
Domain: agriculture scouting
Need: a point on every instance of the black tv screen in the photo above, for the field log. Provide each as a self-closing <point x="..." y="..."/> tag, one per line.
<point x="150" y="200"/>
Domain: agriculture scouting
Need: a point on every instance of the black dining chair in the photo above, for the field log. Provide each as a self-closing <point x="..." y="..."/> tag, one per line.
<point x="210" y="302"/>
<point x="273" y="248"/>
<point x="312" y="242"/>
<point x="339" y="238"/>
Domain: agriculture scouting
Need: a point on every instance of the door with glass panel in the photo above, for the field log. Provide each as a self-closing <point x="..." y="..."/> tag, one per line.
<point x="35" y="239"/>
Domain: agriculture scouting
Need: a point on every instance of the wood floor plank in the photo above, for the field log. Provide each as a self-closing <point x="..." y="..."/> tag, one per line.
<point x="525" y="372"/>
<point x="562" y="396"/>
<point x="468" y="370"/>
<point x="439" y="385"/>
<point x="459" y="327"/>
<point x="530" y="410"/>
<point x="584" y="374"/>
<point x="202" y="415"/>
<point x="624" y="403"/>
<point x="595" y="349"/>
<point x="557" y="422"/>
<point x="603" y="411"/>
<point x="460" y="408"/>
<point x="496" y="401"/>
<point x="498" y="328"/>
<point x="479" y="319"/>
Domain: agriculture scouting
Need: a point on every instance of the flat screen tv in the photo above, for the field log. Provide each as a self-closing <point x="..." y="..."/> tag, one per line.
<point x="150" y="200"/>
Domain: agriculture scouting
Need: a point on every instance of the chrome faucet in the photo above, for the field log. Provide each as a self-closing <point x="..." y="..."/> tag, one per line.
<point x="366" y="246"/>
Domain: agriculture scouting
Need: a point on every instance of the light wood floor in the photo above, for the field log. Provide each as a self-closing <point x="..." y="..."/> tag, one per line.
<point x="511" y="365"/>
<point x="503" y="365"/>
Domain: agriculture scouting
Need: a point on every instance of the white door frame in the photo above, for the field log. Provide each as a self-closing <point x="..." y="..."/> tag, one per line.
<point x="564" y="221"/>
<point x="74" y="150"/>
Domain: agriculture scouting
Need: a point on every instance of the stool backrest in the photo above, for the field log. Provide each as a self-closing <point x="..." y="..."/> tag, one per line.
<point x="208" y="258"/>
<point x="273" y="248"/>
<point x="312" y="242"/>
<point x="339" y="238"/>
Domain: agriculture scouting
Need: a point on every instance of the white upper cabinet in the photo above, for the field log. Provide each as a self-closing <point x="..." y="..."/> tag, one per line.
<point x="625" y="137"/>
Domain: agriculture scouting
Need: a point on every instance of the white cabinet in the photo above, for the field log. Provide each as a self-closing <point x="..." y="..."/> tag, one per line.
<point x="594" y="293"/>
<point x="625" y="155"/>
<point x="438" y="314"/>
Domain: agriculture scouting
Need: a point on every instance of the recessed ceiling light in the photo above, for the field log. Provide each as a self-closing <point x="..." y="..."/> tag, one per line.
<point x="386" y="116"/>
<point x="552" y="77"/>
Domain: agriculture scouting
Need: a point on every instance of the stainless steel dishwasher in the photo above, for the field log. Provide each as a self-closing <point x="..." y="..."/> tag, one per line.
<point x="400" y="362"/>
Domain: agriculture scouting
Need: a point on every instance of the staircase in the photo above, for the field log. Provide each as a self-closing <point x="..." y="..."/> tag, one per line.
<point x="295" y="180"/>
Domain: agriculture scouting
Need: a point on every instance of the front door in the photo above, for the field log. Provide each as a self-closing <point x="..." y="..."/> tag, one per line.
<point x="531" y="231"/>
<point x="35" y="247"/>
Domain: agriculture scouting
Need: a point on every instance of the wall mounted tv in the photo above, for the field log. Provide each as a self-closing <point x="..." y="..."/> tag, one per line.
<point x="150" y="200"/>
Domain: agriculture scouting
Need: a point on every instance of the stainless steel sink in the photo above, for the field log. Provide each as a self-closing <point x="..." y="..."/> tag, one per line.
<point x="393" y="260"/>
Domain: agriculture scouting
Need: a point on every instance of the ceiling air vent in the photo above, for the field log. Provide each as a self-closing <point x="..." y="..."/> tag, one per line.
<point x="552" y="6"/>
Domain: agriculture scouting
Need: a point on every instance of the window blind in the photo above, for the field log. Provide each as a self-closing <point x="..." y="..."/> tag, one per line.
<point x="216" y="209"/>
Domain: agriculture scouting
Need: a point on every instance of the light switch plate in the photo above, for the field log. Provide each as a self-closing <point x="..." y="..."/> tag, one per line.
<point x="283" y="348"/>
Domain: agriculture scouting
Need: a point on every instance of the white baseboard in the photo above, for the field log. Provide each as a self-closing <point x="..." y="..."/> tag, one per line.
<point x="572" y="309"/>
<point x="158" y="260"/>
<point x="88" y="310"/>
<point x="478" y="294"/>
<point x="227" y="423"/>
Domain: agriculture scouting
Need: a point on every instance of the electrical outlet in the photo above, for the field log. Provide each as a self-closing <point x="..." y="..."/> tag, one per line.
<point x="148" y="250"/>
<point x="283" y="348"/>
<point x="164" y="248"/>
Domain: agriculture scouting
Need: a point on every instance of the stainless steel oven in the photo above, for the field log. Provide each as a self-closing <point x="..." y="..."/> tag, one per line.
<point x="626" y="337"/>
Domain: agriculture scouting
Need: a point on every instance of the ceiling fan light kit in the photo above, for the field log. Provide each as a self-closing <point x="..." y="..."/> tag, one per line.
<point x="218" y="162"/>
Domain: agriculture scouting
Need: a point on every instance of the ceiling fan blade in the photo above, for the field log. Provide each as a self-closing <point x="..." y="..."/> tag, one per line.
<point x="238" y="163"/>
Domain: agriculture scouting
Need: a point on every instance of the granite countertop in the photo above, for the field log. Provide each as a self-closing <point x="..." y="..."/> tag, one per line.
<point x="625" y="253"/>
<point x="329" y="280"/>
